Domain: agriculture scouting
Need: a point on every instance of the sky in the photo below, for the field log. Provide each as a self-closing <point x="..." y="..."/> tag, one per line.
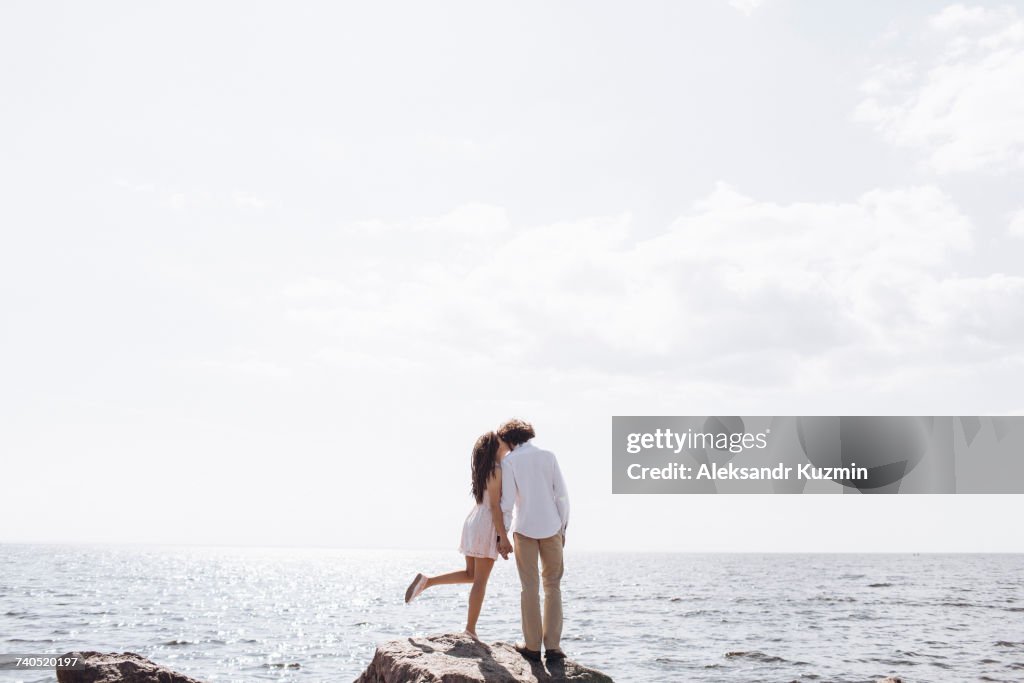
<point x="268" y="270"/>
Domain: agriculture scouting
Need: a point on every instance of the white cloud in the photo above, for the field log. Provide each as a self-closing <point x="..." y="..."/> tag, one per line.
<point x="174" y="198"/>
<point x="1016" y="226"/>
<point x="962" y="104"/>
<point x="747" y="7"/>
<point x="736" y="291"/>
<point x="248" y="200"/>
<point x="468" y="219"/>
<point x="986" y="311"/>
<point x="958" y="17"/>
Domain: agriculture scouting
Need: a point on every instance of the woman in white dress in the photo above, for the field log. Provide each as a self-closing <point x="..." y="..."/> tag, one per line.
<point x="482" y="531"/>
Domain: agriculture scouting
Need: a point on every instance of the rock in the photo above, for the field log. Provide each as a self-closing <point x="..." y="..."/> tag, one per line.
<point x="118" y="667"/>
<point x="890" y="679"/>
<point x="457" y="658"/>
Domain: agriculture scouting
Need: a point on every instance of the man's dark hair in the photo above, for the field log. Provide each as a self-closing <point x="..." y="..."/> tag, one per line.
<point x="515" y="432"/>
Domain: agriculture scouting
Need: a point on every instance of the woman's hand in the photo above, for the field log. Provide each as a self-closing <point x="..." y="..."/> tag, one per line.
<point x="504" y="547"/>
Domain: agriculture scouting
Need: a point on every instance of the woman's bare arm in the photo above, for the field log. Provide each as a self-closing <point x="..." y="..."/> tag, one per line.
<point x="494" y="498"/>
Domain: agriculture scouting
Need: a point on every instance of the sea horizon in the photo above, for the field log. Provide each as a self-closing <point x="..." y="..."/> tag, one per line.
<point x="400" y="549"/>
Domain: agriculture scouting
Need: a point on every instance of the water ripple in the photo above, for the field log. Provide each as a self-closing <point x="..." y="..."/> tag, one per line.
<point x="312" y="615"/>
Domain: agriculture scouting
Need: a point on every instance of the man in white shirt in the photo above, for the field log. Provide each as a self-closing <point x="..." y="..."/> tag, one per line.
<point x="532" y="486"/>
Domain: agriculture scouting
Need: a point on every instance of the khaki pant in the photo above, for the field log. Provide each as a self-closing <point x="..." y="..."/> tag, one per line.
<point x="549" y="550"/>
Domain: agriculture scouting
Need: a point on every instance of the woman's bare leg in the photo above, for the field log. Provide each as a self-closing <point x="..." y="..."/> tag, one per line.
<point x="464" y="576"/>
<point x="481" y="573"/>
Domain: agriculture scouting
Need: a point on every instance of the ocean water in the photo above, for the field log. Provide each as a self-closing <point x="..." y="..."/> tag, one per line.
<point x="276" y="614"/>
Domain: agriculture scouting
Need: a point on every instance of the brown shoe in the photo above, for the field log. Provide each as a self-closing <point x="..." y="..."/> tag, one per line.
<point x="532" y="655"/>
<point x="553" y="655"/>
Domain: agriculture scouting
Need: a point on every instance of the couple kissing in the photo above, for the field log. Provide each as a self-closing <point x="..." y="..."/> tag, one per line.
<point x="519" y="491"/>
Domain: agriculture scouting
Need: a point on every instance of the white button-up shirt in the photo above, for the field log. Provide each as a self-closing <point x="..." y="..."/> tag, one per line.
<point x="532" y="484"/>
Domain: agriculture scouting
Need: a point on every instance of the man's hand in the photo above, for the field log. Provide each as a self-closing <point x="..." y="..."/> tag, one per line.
<point x="504" y="547"/>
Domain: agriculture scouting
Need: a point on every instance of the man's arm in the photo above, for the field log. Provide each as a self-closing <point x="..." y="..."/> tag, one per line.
<point x="508" y="492"/>
<point x="561" y="497"/>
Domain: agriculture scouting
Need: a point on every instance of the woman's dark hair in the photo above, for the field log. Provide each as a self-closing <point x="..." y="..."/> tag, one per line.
<point x="485" y="461"/>
<point x="515" y="432"/>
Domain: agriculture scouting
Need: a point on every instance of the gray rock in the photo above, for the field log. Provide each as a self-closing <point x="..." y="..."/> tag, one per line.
<point x="457" y="658"/>
<point x="446" y="658"/>
<point x="118" y="667"/>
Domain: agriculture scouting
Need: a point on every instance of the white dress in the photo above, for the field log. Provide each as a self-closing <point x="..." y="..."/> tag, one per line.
<point x="479" y="539"/>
